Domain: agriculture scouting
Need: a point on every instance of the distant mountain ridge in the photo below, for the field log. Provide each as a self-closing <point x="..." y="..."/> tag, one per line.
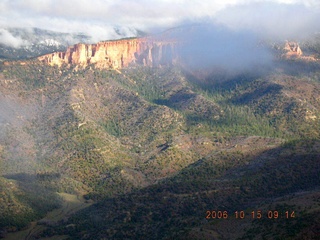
<point x="34" y="42"/>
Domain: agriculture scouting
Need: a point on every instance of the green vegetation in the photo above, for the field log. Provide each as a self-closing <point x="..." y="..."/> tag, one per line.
<point x="24" y="200"/>
<point x="155" y="148"/>
<point x="214" y="183"/>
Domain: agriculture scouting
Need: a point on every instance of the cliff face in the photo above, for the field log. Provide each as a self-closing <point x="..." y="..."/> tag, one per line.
<point x="115" y="54"/>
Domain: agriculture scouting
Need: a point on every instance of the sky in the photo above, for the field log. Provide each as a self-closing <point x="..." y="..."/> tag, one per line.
<point x="97" y="18"/>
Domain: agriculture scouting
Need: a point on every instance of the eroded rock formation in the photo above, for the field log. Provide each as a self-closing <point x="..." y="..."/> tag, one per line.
<point x="292" y="50"/>
<point x="115" y="54"/>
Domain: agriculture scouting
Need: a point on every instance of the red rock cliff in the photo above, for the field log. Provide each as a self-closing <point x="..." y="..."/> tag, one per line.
<point x="115" y="54"/>
<point x="292" y="50"/>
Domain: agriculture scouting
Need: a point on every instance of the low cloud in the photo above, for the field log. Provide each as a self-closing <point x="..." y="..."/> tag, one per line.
<point x="215" y="46"/>
<point x="96" y="31"/>
<point x="97" y="18"/>
<point x="272" y="20"/>
<point x="6" y="38"/>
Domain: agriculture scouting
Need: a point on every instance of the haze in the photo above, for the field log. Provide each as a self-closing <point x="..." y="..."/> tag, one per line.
<point x="98" y="18"/>
<point x="229" y="37"/>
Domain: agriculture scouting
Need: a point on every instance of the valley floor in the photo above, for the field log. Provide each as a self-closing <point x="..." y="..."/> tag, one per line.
<point x="71" y="204"/>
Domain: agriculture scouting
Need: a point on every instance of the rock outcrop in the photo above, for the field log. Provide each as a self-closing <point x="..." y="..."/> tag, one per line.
<point x="292" y="50"/>
<point x="115" y="54"/>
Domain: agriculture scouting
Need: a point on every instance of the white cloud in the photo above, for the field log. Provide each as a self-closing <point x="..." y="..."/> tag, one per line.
<point x="214" y="46"/>
<point x="98" y="17"/>
<point x="272" y="20"/>
<point x="8" y="39"/>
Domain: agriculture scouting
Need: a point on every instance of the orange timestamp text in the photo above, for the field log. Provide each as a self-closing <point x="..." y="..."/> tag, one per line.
<point x="255" y="214"/>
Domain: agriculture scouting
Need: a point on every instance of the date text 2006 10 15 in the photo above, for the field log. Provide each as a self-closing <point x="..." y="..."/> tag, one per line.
<point x="258" y="214"/>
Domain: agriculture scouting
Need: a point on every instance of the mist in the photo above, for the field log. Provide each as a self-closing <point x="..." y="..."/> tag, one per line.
<point x="14" y="114"/>
<point x="6" y="38"/>
<point x="270" y="20"/>
<point x="239" y="36"/>
<point x="212" y="46"/>
<point x="103" y="20"/>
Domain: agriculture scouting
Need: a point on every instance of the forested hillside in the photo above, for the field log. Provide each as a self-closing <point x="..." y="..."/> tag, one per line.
<point x="157" y="150"/>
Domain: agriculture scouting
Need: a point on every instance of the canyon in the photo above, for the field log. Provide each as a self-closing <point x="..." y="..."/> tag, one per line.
<point x="150" y="150"/>
<point x="148" y="51"/>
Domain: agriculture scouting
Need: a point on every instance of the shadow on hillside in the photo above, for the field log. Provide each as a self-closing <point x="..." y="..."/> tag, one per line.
<point x="224" y="80"/>
<point x="298" y="67"/>
<point x="256" y="94"/>
<point x="224" y="182"/>
<point x="27" y="177"/>
<point x="31" y="199"/>
<point x="177" y="99"/>
<point x="37" y="189"/>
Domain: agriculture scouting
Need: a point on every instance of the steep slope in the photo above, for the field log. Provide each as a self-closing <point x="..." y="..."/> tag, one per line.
<point x="155" y="147"/>
<point x="88" y="132"/>
<point x="232" y="173"/>
<point x="240" y="178"/>
<point x="288" y="96"/>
